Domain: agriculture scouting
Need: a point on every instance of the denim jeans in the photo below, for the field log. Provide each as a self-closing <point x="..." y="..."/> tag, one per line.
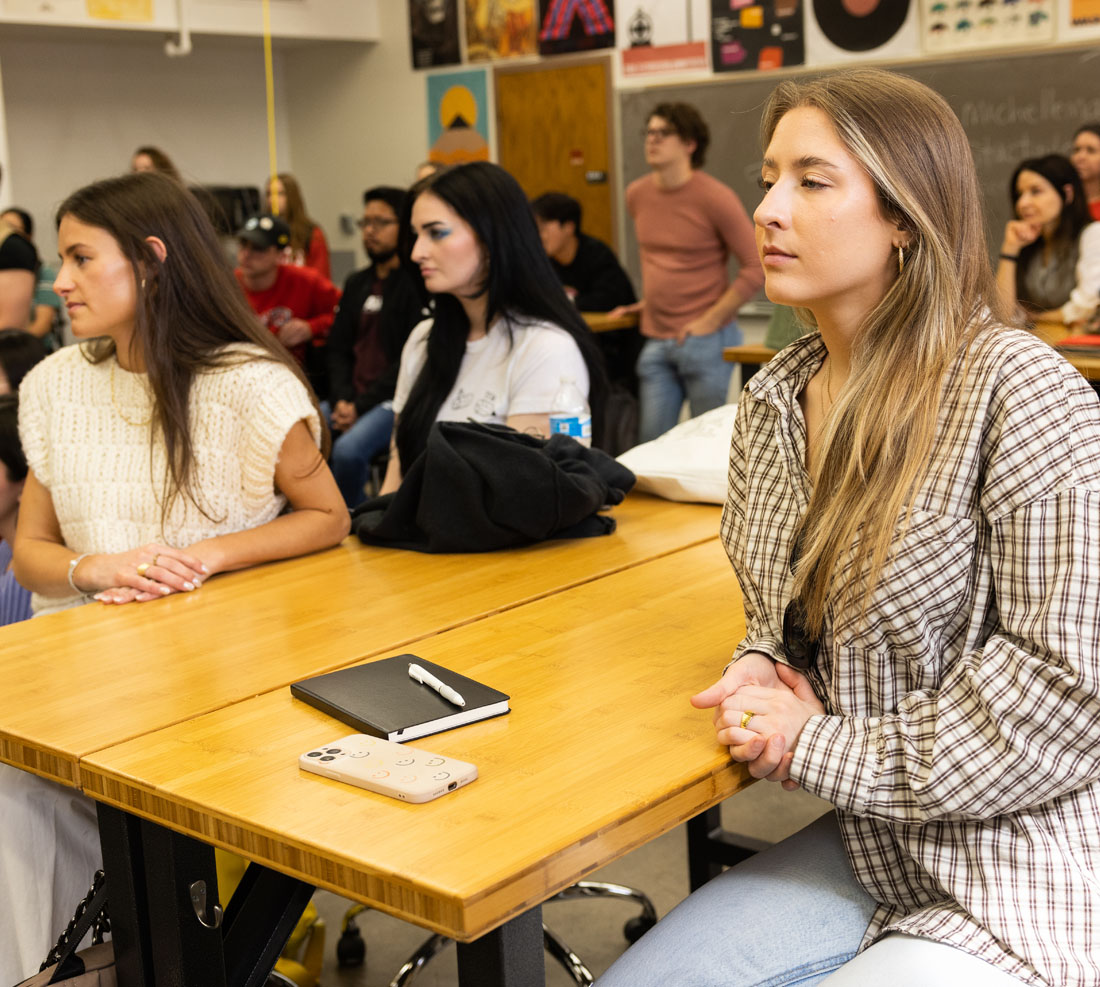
<point x="353" y="450"/>
<point x="791" y="916"/>
<point x="668" y="372"/>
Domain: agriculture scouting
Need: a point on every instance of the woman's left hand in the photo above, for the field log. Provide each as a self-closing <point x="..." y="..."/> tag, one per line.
<point x="778" y="716"/>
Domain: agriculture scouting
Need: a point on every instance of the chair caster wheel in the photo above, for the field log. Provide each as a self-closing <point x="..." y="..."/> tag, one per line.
<point x="637" y="927"/>
<point x="350" y="949"/>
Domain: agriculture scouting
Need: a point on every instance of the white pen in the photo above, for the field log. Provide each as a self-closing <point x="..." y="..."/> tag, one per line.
<point x="424" y="677"/>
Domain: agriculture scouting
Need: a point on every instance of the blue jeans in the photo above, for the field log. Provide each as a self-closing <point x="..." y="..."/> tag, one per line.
<point x="353" y="450"/>
<point x="791" y="916"/>
<point x="668" y="372"/>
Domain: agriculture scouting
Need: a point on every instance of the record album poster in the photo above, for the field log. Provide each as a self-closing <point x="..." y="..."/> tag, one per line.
<point x="664" y="36"/>
<point x="1078" y="20"/>
<point x="458" y="117"/>
<point x="947" y="26"/>
<point x="501" y="29"/>
<point x="433" y="33"/>
<point x="747" y="35"/>
<point x="844" y="31"/>
<point x="575" y="25"/>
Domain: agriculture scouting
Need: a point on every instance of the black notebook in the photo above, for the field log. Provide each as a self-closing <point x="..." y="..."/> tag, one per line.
<point x="380" y="698"/>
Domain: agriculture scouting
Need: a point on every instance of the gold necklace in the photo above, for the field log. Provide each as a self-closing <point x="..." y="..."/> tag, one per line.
<point x="117" y="407"/>
<point x="828" y="381"/>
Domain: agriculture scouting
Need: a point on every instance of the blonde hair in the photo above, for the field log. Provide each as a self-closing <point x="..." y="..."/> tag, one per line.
<point x="878" y="436"/>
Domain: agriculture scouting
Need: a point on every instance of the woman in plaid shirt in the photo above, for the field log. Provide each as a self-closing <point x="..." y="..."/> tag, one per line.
<point x="914" y="520"/>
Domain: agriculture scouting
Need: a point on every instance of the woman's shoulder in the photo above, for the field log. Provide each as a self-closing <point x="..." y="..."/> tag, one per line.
<point x="1089" y="238"/>
<point x="245" y="368"/>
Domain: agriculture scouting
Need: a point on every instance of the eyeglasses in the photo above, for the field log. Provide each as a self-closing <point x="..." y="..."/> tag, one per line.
<point x="799" y="647"/>
<point x="374" y="223"/>
<point x="657" y="133"/>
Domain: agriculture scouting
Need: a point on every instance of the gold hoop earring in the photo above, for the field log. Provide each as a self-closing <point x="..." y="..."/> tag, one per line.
<point x="143" y="284"/>
<point x="901" y="260"/>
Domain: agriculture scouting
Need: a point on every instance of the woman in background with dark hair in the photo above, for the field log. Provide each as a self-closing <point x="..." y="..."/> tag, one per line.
<point x="1086" y="159"/>
<point x="308" y="246"/>
<point x="1050" y="256"/>
<point x="504" y="334"/>
<point x="149" y="158"/>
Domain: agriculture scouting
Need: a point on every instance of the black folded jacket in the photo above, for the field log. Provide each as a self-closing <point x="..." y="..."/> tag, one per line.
<point x="480" y="487"/>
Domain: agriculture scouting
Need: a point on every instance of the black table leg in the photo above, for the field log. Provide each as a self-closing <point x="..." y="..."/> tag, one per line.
<point x="710" y="847"/>
<point x="510" y="956"/>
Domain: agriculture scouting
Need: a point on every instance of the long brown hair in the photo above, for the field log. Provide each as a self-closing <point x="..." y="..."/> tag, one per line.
<point x="878" y="435"/>
<point x="187" y="308"/>
<point x="295" y="215"/>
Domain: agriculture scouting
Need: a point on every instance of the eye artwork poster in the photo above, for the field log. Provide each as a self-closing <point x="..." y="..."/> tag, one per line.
<point x="756" y="36"/>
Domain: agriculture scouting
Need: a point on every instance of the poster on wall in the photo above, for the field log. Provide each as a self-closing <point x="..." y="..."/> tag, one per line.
<point x="458" y="117"/>
<point x="120" y="10"/>
<point x="845" y="31"/>
<point x="1079" y="20"/>
<point x="433" y="33"/>
<point x="949" y="26"/>
<point x="663" y="35"/>
<point x="575" y="25"/>
<point x="747" y="35"/>
<point x="500" y="29"/>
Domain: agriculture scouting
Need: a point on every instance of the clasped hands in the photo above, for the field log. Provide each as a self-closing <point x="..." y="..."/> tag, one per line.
<point x="141" y="574"/>
<point x="781" y="700"/>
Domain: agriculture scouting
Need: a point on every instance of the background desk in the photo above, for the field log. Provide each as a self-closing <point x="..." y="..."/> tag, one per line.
<point x="602" y="322"/>
<point x="601" y="753"/>
<point x="87" y="678"/>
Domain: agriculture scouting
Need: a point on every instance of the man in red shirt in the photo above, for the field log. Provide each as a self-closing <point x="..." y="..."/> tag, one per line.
<point x="296" y="303"/>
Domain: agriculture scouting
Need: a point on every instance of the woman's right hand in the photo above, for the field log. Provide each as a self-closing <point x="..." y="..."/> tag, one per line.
<point x="1018" y="234"/>
<point x="115" y="578"/>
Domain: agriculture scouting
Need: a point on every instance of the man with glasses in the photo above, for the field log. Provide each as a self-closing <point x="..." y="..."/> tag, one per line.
<point x="687" y="224"/>
<point x="378" y="308"/>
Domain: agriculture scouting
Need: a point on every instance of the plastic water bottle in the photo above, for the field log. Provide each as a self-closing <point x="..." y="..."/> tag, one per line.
<point x="570" y="414"/>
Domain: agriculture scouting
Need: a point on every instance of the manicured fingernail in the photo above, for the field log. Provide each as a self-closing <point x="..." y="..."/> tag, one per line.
<point x="205" y="569"/>
<point x="188" y="586"/>
<point x="163" y="590"/>
<point x="100" y="597"/>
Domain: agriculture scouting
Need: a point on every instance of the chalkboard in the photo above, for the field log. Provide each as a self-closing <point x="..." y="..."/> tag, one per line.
<point x="1012" y="106"/>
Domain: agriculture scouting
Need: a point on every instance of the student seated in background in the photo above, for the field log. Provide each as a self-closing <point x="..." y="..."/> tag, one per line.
<point x="18" y="270"/>
<point x="1050" y="256"/>
<point x="45" y="315"/>
<point x="593" y="278"/>
<point x="379" y="306"/>
<point x="912" y="516"/>
<point x="307" y="246"/>
<point x="295" y="303"/>
<point x="1086" y="159"/>
<point x="15" y="600"/>
<point x="19" y="351"/>
<point x="503" y="335"/>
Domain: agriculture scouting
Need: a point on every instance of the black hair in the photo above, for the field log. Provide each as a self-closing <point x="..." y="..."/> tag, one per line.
<point x="557" y="207"/>
<point x="11" y="450"/>
<point x="520" y="284"/>
<point x="24" y="218"/>
<point x="1060" y="172"/>
<point x="391" y="195"/>
<point x="19" y="351"/>
<point x="1087" y="128"/>
<point x="689" y="125"/>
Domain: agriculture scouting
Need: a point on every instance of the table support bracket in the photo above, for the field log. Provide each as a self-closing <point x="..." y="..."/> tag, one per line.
<point x="509" y="956"/>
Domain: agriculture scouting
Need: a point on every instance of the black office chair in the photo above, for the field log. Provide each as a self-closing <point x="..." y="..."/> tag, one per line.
<point x="351" y="949"/>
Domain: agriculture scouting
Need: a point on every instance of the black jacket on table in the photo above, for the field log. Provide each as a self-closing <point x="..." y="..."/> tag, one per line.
<point x="402" y="308"/>
<point x="597" y="276"/>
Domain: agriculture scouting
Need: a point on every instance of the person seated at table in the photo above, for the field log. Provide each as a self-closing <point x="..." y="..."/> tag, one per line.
<point x="15" y="600"/>
<point x="178" y="441"/>
<point x="912" y="514"/>
<point x="1050" y="256"/>
<point x="19" y="351"/>
<point x="308" y="246"/>
<point x="504" y="335"/>
<point x="45" y="313"/>
<point x="1086" y="159"/>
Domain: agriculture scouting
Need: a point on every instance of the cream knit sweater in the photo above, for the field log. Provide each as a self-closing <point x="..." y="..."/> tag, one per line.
<point x="85" y="431"/>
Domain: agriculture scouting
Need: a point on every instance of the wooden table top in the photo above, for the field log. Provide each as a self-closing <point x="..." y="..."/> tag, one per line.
<point x="87" y="678"/>
<point x="601" y="753"/>
<point x="748" y="354"/>
<point x="602" y="322"/>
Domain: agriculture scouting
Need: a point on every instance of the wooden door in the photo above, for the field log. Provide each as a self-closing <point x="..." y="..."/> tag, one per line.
<point x="554" y="135"/>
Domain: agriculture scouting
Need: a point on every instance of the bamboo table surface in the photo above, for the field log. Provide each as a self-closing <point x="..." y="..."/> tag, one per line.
<point x="602" y="322"/>
<point x="601" y="753"/>
<point x="94" y="676"/>
<point x="748" y="354"/>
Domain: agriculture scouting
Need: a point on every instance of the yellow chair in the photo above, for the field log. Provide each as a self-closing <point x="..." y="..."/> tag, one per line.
<point x="303" y="955"/>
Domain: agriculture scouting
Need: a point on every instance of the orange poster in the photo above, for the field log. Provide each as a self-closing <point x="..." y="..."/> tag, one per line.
<point x="120" y="10"/>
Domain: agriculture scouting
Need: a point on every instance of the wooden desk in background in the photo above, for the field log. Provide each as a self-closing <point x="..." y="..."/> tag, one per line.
<point x="602" y="322"/>
<point x="601" y="753"/>
<point x="154" y="664"/>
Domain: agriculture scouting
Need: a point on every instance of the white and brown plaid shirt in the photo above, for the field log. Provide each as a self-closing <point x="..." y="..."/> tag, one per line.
<point x="961" y="743"/>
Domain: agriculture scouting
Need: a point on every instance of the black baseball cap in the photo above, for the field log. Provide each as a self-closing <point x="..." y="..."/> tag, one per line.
<point x="265" y="231"/>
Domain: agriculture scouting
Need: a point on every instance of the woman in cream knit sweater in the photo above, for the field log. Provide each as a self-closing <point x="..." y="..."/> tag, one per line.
<point x="164" y="449"/>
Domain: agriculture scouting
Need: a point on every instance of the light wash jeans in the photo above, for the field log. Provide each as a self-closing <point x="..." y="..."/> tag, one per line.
<point x="667" y="372"/>
<point x="353" y="451"/>
<point x="791" y="916"/>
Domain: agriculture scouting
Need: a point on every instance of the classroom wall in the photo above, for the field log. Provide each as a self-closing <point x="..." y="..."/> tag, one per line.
<point x="76" y="109"/>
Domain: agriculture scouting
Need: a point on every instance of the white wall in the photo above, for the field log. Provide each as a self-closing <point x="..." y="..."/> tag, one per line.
<point x="75" y="110"/>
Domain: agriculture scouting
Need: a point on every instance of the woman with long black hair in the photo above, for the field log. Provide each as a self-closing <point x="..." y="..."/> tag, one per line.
<point x="504" y="335"/>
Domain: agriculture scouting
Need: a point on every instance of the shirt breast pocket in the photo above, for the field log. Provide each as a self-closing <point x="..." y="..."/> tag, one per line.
<point x="921" y="592"/>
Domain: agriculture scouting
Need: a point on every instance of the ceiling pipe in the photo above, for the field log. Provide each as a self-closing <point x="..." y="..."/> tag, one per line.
<point x="178" y="47"/>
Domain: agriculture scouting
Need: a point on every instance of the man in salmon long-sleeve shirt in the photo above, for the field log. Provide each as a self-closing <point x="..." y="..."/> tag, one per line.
<point x="687" y="224"/>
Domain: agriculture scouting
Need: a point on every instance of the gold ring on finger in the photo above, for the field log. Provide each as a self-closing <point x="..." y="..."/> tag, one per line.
<point x="745" y="717"/>
<point x="143" y="568"/>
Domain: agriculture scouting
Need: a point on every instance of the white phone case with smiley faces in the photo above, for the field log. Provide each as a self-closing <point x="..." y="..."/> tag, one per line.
<point x="402" y="772"/>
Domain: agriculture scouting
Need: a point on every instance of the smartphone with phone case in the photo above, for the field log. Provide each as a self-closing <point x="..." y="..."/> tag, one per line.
<point x="402" y="772"/>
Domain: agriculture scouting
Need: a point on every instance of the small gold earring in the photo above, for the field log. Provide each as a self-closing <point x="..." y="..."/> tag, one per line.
<point x="143" y="284"/>
<point x="901" y="260"/>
